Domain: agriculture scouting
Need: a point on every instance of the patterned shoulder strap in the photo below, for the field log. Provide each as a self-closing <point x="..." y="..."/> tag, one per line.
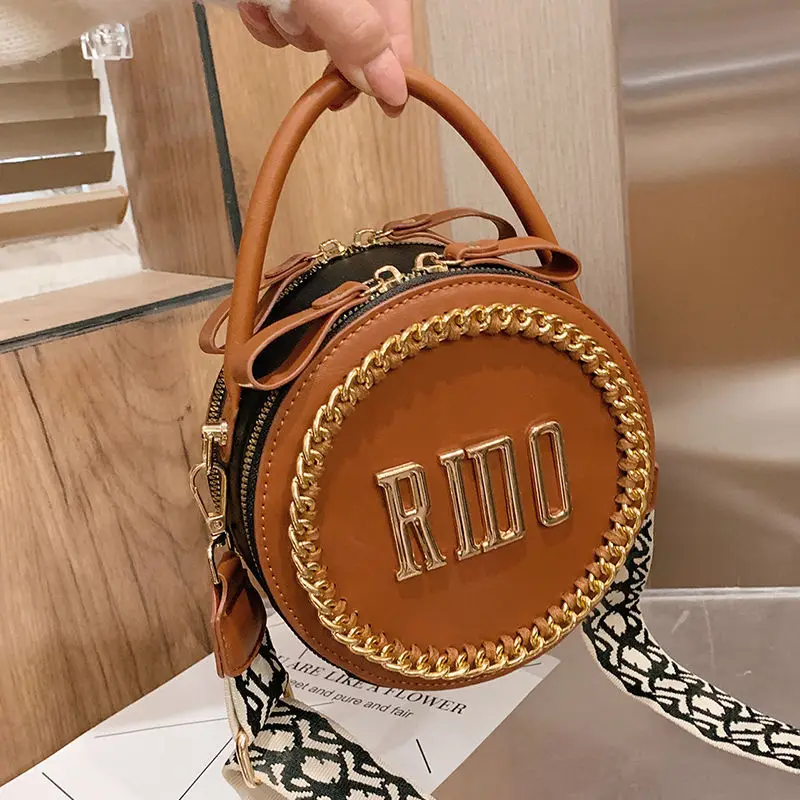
<point x="634" y="662"/>
<point x="286" y="751"/>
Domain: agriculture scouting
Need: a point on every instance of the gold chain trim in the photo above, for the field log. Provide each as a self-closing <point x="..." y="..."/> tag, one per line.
<point x="526" y="644"/>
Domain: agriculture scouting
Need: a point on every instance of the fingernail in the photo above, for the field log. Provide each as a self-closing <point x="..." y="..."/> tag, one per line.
<point x="289" y="23"/>
<point x="386" y="78"/>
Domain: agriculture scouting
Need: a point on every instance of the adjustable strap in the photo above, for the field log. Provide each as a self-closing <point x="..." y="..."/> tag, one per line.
<point x="286" y="751"/>
<point x="634" y="662"/>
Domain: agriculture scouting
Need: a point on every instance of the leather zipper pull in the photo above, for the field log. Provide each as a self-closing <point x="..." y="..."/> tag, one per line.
<point x="315" y="323"/>
<point x="558" y="264"/>
<point x="422" y="224"/>
<point x="272" y="285"/>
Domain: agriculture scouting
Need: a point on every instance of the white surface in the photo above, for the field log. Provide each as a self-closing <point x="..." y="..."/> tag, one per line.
<point x="171" y="744"/>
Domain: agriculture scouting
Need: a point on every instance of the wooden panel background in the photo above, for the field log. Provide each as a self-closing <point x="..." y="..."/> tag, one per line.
<point x="168" y="147"/>
<point x="543" y="75"/>
<point x="104" y="574"/>
<point x="98" y="304"/>
<point x="356" y="169"/>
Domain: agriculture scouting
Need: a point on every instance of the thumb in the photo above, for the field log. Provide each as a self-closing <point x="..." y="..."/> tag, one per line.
<point x="357" y="39"/>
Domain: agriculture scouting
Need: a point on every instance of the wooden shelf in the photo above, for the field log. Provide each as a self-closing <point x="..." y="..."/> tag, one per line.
<point x="61" y="214"/>
<point x="72" y="311"/>
<point x="24" y="102"/>
<point x="55" y="172"/>
<point x="47" y="137"/>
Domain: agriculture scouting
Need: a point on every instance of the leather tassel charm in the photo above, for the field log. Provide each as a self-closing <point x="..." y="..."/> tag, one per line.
<point x="238" y="618"/>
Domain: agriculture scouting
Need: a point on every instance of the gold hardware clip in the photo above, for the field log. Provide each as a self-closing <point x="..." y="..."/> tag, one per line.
<point x="328" y="250"/>
<point x="214" y="512"/>
<point x="243" y="757"/>
<point x="385" y="278"/>
<point x="367" y="237"/>
<point x="433" y="262"/>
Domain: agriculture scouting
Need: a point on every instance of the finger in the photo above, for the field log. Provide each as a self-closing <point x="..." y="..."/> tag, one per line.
<point x="259" y="25"/>
<point x="358" y="41"/>
<point x="295" y="31"/>
<point x="354" y="95"/>
<point x="397" y="16"/>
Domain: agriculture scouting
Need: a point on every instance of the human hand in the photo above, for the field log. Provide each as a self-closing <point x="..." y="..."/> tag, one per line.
<point x="369" y="41"/>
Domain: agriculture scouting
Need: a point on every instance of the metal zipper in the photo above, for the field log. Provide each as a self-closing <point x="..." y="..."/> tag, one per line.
<point x="333" y="249"/>
<point x="301" y="280"/>
<point x="328" y="251"/>
<point x="213" y="416"/>
<point x="217" y="400"/>
<point x="265" y="414"/>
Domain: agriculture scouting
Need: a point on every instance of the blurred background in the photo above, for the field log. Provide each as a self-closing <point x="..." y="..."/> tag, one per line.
<point x="710" y="100"/>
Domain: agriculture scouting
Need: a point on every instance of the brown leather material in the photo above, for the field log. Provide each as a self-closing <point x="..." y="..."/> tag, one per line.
<point x="323" y="313"/>
<point x="272" y="284"/>
<point x="334" y="89"/>
<point x="456" y="395"/>
<point x="403" y="229"/>
<point x="238" y="618"/>
<point x="654" y="488"/>
<point x="562" y="266"/>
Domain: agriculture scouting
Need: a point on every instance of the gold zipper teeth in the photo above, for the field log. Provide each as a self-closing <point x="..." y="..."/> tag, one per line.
<point x="213" y="415"/>
<point x="252" y="446"/>
<point x="216" y="401"/>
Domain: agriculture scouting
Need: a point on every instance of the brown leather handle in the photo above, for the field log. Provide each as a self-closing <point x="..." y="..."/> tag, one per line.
<point x="330" y="90"/>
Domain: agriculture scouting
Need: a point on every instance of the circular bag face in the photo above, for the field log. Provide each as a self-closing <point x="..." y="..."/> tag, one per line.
<point x="448" y="489"/>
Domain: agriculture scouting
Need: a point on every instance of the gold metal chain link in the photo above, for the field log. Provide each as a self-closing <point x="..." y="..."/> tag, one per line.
<point x="525" y="645"/>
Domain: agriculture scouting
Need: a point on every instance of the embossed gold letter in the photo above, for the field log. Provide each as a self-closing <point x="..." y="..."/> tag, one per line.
<point x="547" y="516"/>
<point x="414" y="518"/>
<point x="479" y="456"/>
<point x="467" y="547"/>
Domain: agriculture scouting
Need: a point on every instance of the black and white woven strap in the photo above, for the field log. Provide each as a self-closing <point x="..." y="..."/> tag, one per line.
<point x="633" y="660"/>
<point x="295" y="753"/>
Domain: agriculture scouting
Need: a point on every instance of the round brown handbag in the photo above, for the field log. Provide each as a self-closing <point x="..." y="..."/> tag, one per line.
<point x="433" y="459"/>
